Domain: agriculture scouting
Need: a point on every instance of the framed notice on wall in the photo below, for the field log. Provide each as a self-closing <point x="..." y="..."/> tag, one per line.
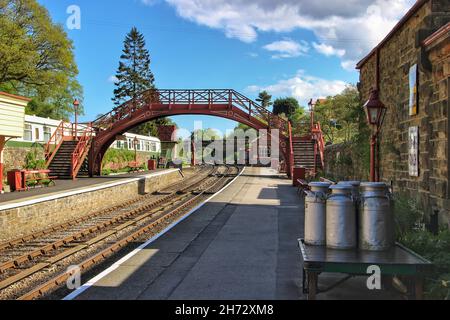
<point x="413" y="158"/>
<point x="413" y="86"/>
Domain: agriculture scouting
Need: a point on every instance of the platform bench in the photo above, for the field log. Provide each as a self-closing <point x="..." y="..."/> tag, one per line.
<point x="39" y="176"/>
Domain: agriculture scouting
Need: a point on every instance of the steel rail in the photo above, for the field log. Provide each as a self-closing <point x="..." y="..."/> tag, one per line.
<point x="16" y="262"/>
<point x="11" y="243"/>
<point x="61" y="278"/>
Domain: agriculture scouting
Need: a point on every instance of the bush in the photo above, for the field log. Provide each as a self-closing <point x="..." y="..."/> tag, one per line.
<point x="32" y="162"/>
<point x="435" y="248"/>
<point x="408" y="214"/>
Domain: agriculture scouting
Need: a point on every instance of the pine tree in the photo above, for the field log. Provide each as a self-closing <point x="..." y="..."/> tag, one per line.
<point x="265" y="99"/>
<point x="133" y="75"/>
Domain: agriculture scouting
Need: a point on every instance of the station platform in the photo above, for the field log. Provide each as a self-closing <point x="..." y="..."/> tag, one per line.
<point x="241" y="245"/>
<point x="62" y="186"/>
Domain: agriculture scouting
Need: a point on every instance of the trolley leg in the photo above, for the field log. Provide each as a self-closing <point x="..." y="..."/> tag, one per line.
<point x="312" y="285"/>
<point x="419" y="288"/>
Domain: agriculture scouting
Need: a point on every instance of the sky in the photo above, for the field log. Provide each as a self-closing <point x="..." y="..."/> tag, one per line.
<point x="301" y="48"/>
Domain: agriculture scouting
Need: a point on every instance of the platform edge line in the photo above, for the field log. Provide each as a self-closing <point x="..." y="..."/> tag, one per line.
<point x="113" y="267"/>
<point x="25" y="203"/>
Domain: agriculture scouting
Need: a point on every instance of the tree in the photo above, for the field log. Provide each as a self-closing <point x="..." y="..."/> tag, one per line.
<point x="133" y="75"/>
<point x="286" y="106"/>
<point x="36" y="59"/>
<point x="151" y="128"/>
<point x="264" y="99"/>
<point x="341" y="116"/>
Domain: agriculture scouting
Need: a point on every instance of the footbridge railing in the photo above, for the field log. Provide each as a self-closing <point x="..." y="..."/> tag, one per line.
<point x="192" y="97"/>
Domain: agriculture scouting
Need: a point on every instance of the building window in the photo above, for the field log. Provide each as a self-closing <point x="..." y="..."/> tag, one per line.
<point x="153" y="147"/>
<point x="37" y="136"/>
<point x="47" y="134"/>
<point x="27" y="135"/>
<point x="138" y="145"/>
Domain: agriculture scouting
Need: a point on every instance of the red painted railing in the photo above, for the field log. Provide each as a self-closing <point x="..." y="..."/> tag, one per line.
<point x="81" y="150"/>
<point x="62" y="132"/>
<point x="209" y="97"/>
<point x="317" y="135"/>
<point x="291" y="151"/>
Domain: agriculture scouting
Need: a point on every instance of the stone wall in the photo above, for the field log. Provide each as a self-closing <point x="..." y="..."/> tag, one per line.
<point x="27" y="219"/>
<point x="14" y="157"/>
<point x="342" y="163"/>
<point x="397" y="55"/>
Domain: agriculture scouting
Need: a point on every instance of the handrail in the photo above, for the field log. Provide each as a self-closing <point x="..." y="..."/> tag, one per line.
<point x="190" y="97"/>
<point x="81" y="149"/>
<point x="56" y="140"/>
<point x="291" y="150"/>
<point x="318" y="136"/>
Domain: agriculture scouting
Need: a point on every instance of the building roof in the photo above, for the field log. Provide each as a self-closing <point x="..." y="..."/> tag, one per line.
<point x="402" y="21"/>
<point x="437" y="36"/>
<point x="14" y="96"/>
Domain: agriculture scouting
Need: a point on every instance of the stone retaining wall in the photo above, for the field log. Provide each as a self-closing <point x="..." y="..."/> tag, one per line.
<point x="25" y="220"/>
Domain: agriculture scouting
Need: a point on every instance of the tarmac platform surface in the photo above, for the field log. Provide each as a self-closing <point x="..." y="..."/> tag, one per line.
<point x="241" y="245"/>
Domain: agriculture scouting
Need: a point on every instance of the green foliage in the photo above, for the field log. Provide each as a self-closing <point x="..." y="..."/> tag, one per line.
<point x="133" y="75"/>
<point x="341" y="116"/>
<point x="264" y="99"/>
<point x="36" y="59"/>
<point x="435" y="248"/>
<point x="32" y="159"/>
<point x="287" y="106"/>
<point x="151" y="127"/>
<point x="408" y="214"/>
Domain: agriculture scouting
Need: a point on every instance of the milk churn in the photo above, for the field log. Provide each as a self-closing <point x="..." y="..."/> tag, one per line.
<point x="355" y="188"/>
<point x="376" y="219"/>
<point x="355" y="194"/>
<point x="315" y="213"/>
<point x="341" y="218"/>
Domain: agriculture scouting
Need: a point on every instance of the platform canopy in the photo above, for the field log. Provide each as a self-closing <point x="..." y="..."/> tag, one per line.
<point x="12" y="115"/>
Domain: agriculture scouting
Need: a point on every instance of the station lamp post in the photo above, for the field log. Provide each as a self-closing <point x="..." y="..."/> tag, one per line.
<point x="135" y="143"/>
<point x="312" y="105"/>
<point x="76" y="104"/>
<point x="375" y="111"/>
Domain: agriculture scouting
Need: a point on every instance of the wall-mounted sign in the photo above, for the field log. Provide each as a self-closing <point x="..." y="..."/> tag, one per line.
<point x="413" y="151"/>
<point x="413" y="86"/>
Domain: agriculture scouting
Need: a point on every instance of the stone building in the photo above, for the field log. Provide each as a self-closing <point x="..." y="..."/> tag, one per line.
<point x="411" y="70"/>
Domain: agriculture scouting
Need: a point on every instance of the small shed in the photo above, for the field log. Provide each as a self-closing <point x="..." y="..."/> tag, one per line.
<point x="12" y="118"/>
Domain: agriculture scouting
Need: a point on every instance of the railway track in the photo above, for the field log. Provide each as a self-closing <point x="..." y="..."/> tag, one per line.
<point x="101" y="235"/>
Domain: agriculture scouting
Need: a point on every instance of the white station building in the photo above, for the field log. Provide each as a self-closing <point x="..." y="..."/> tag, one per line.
<point x="40" y="130"/>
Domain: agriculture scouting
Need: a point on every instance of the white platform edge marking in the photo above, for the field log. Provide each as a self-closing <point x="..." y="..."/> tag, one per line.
<point x="81" y="190"/>
<point x="104" y="273"/>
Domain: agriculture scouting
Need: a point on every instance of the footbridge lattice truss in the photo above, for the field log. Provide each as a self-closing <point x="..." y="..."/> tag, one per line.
<point x="156" y="103"/>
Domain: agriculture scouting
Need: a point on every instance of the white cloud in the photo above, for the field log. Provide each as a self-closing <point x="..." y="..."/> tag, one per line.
<point x="113" y="79"/>
<point x="287" y="48"/>
<point x="351" y="27"/>
<point x="302" y="87"/>
<point x="328" y="50"/>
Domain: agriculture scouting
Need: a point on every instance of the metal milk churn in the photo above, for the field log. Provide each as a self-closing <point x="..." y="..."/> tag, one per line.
<point x="355" y="188"/>
<point x="315" y="213"/>
<point x="376" y="219"/>
<point x="341" y="218"/>
<point x="355" y="194"/>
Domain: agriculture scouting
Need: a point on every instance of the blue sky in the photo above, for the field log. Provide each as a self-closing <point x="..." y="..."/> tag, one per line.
<point x="289" y="47"/>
